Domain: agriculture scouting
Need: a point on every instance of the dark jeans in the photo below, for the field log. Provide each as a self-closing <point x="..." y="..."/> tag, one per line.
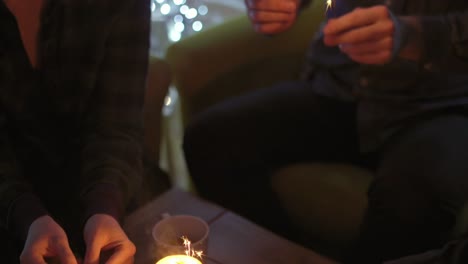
<point x="421" y="174"/>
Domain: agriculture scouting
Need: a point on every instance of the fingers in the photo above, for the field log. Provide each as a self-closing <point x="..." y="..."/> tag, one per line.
<point x="361" y="34"/>
<point x="360" y="17"/>
<point x="123" y="253"/>
<point x="33" y="259"/>
<point x="270" y="22"/>
<point x="54" y="248"/>
<point x="260" y="16"/>
<point x="367" y="47"/>
<point x="65" y="254"/>
<point x="282" y="6"/>
<point x="378" y="58"/>
<point x="92" y="253"/>
<point x="271" y="28"/>
<point x="365" y="34"/>
<point x="371" y="52"/>
<point x="272" y="16"/>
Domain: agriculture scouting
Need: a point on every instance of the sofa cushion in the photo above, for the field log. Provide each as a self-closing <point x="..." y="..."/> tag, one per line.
<point x="327" y="202"/>
<point x="324" y="201"/>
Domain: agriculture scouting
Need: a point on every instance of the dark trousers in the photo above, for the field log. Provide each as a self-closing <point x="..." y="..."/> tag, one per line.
<point x="421" y="174"/>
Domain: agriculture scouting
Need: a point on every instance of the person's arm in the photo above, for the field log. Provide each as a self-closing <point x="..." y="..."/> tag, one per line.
<point x="272" y="17"/>
<point x="19" y="207"/>
<point x="113" y="127"/>
<point x="454" y="252"/>
<point x="413" y="47"/>
<point x="442" y="40"/>
<point x="429" y="40"/>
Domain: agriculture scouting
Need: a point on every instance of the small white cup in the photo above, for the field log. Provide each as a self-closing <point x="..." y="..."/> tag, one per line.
<point x="169" y="232"/>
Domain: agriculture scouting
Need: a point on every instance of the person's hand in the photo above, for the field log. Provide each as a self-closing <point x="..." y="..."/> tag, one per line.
<point x="102" y="233"/>
<point x="272" y="16"/>
<point x="366" y="35"/>
<point x="46" y="239"/>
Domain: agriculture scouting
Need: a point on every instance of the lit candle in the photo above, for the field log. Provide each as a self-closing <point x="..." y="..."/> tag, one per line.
<point x="179" y="259"/>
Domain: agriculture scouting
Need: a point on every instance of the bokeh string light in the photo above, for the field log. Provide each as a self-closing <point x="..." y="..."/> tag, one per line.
<point x="182" y="17"/>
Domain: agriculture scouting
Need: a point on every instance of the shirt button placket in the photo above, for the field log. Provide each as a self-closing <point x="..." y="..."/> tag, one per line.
<point x="364" y="82"/>
<point x="428" y="66"/>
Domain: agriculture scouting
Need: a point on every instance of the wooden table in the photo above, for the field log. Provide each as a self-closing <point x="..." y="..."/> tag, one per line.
<point x="232" y="240"/>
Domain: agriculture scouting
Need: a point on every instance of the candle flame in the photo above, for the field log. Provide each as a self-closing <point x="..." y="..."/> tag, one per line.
<point x="189" y="251"/>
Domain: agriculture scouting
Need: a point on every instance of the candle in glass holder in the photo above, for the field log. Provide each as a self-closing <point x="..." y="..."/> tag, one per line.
<point x="179" y="259"/>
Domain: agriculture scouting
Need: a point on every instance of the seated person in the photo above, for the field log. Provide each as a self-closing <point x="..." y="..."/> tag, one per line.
<point x="73" y="80"/>
<point x="386" y="88"/>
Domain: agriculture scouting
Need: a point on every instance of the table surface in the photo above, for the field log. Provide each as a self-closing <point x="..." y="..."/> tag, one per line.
<point x="233" y="239"/>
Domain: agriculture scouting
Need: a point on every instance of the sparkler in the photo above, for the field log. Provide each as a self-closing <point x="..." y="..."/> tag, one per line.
<point x="329" y="7"/>
<point x="189" y="251"/>
<point x="329" y="4"/>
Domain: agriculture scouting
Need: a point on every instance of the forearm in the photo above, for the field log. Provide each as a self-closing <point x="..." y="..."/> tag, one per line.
<point x="19" y="207"/>
<point x="22" y="208"/>
<point x="438" y="41"/>
<point x="113" y="133"/>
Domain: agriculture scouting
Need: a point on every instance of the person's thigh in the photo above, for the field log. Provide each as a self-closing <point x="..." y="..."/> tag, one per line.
<point x="232" y="148"/>
<point x="272" y="127"/>
<point x="420" y="186"/>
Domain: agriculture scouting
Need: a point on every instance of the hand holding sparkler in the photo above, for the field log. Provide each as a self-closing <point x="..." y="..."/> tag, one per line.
<point x="366" y="35"/>
<point x="272" y="16"/>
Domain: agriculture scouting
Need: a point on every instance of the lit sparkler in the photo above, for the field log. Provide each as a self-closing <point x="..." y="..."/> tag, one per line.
<point x="329" y="7"/>
<point x="189" y="251"/>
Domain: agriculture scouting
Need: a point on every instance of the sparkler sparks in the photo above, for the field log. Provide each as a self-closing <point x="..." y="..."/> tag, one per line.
<point x="329" y="7"/>
<point x="329" y="4"/>
<point x="189" y="251"/>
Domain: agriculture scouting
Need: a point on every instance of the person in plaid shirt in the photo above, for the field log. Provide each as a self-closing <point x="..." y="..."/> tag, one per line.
<point x="72" y="78"/>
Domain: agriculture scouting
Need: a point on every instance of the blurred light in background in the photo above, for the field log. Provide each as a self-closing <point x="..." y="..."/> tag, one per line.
<point x="175" y="19"/>
<point x="172" y="20"/>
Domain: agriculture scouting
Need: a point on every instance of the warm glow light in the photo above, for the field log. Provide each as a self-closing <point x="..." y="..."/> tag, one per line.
<point x="179" y="259"/>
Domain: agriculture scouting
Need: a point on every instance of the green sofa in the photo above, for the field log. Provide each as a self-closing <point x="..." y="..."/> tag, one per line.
<point x="155" y="180"/>
<point x="230" y="59"/>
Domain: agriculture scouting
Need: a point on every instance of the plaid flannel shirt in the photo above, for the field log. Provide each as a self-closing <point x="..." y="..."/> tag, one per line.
<point x="389" y="97"/>
<point x="87" y="94"/>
